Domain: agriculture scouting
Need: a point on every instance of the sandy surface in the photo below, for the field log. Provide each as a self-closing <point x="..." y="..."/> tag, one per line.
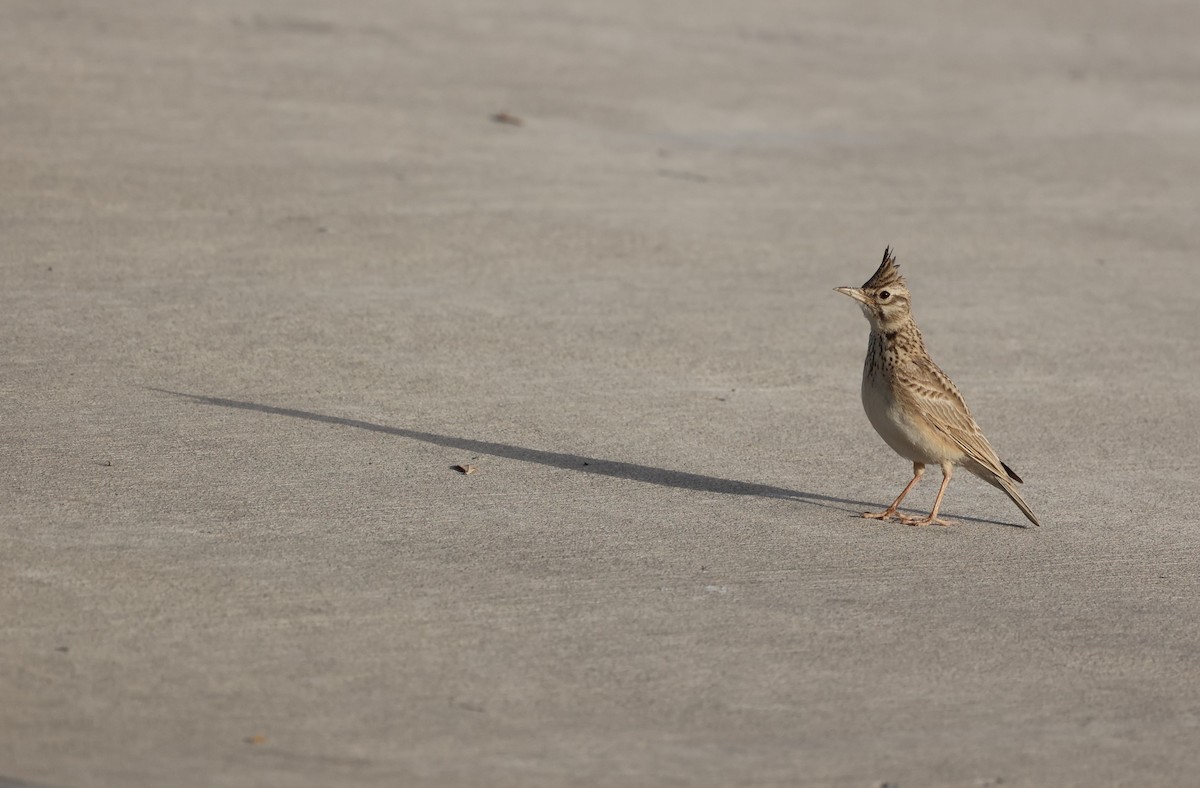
<point x="270" y="269"/>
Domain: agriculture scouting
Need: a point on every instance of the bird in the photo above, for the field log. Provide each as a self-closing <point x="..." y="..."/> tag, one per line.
<point x="913" y="404"/>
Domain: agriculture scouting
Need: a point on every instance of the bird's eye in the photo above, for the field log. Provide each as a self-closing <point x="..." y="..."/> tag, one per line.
<point x="884" y="295"/>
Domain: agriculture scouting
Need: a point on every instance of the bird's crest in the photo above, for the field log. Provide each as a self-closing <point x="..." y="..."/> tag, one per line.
<point x="887" y="275"/>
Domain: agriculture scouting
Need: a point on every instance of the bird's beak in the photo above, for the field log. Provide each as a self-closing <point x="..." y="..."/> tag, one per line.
<point x="854" y="292"/>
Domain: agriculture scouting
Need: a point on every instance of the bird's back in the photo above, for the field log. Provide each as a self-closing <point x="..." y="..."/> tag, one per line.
<point x="915" y="406"/>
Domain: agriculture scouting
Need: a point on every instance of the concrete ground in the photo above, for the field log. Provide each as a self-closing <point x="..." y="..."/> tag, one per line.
<point x="271" y="268"/>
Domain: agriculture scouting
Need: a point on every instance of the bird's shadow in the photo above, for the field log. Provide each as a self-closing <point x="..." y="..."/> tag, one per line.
<point x="573" y="462"/>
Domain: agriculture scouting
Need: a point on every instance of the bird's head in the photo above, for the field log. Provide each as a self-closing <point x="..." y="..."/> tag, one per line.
<point x="884" y="297"/>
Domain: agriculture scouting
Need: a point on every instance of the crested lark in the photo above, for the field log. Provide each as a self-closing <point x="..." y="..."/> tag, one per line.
<point x="913" y="405"/>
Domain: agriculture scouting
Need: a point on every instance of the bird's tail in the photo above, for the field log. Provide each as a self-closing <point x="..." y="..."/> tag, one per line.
<point x="1010" y="489"/>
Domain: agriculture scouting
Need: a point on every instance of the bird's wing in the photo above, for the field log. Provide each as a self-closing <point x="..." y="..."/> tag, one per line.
<point x="937" y="399"/>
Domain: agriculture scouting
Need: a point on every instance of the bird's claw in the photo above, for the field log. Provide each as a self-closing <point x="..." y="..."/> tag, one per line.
<point x="887" y="514"/>
<point x="924" y="521"/>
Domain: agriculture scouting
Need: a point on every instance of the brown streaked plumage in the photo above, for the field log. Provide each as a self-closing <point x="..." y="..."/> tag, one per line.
<point x="913" y="405"/>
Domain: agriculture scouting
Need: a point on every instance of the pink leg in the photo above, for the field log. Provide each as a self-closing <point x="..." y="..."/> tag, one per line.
<point x="890" y="512"/>
<point x="933" y="519"/>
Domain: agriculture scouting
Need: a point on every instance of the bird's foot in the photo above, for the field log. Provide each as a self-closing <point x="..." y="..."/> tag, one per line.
<point x="886" y="514"/>
<point x="924" y="520"/>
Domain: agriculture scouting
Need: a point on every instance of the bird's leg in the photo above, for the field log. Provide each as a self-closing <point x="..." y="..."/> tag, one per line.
<point x="890" y="512"/>
<point x="933" y="519"/>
